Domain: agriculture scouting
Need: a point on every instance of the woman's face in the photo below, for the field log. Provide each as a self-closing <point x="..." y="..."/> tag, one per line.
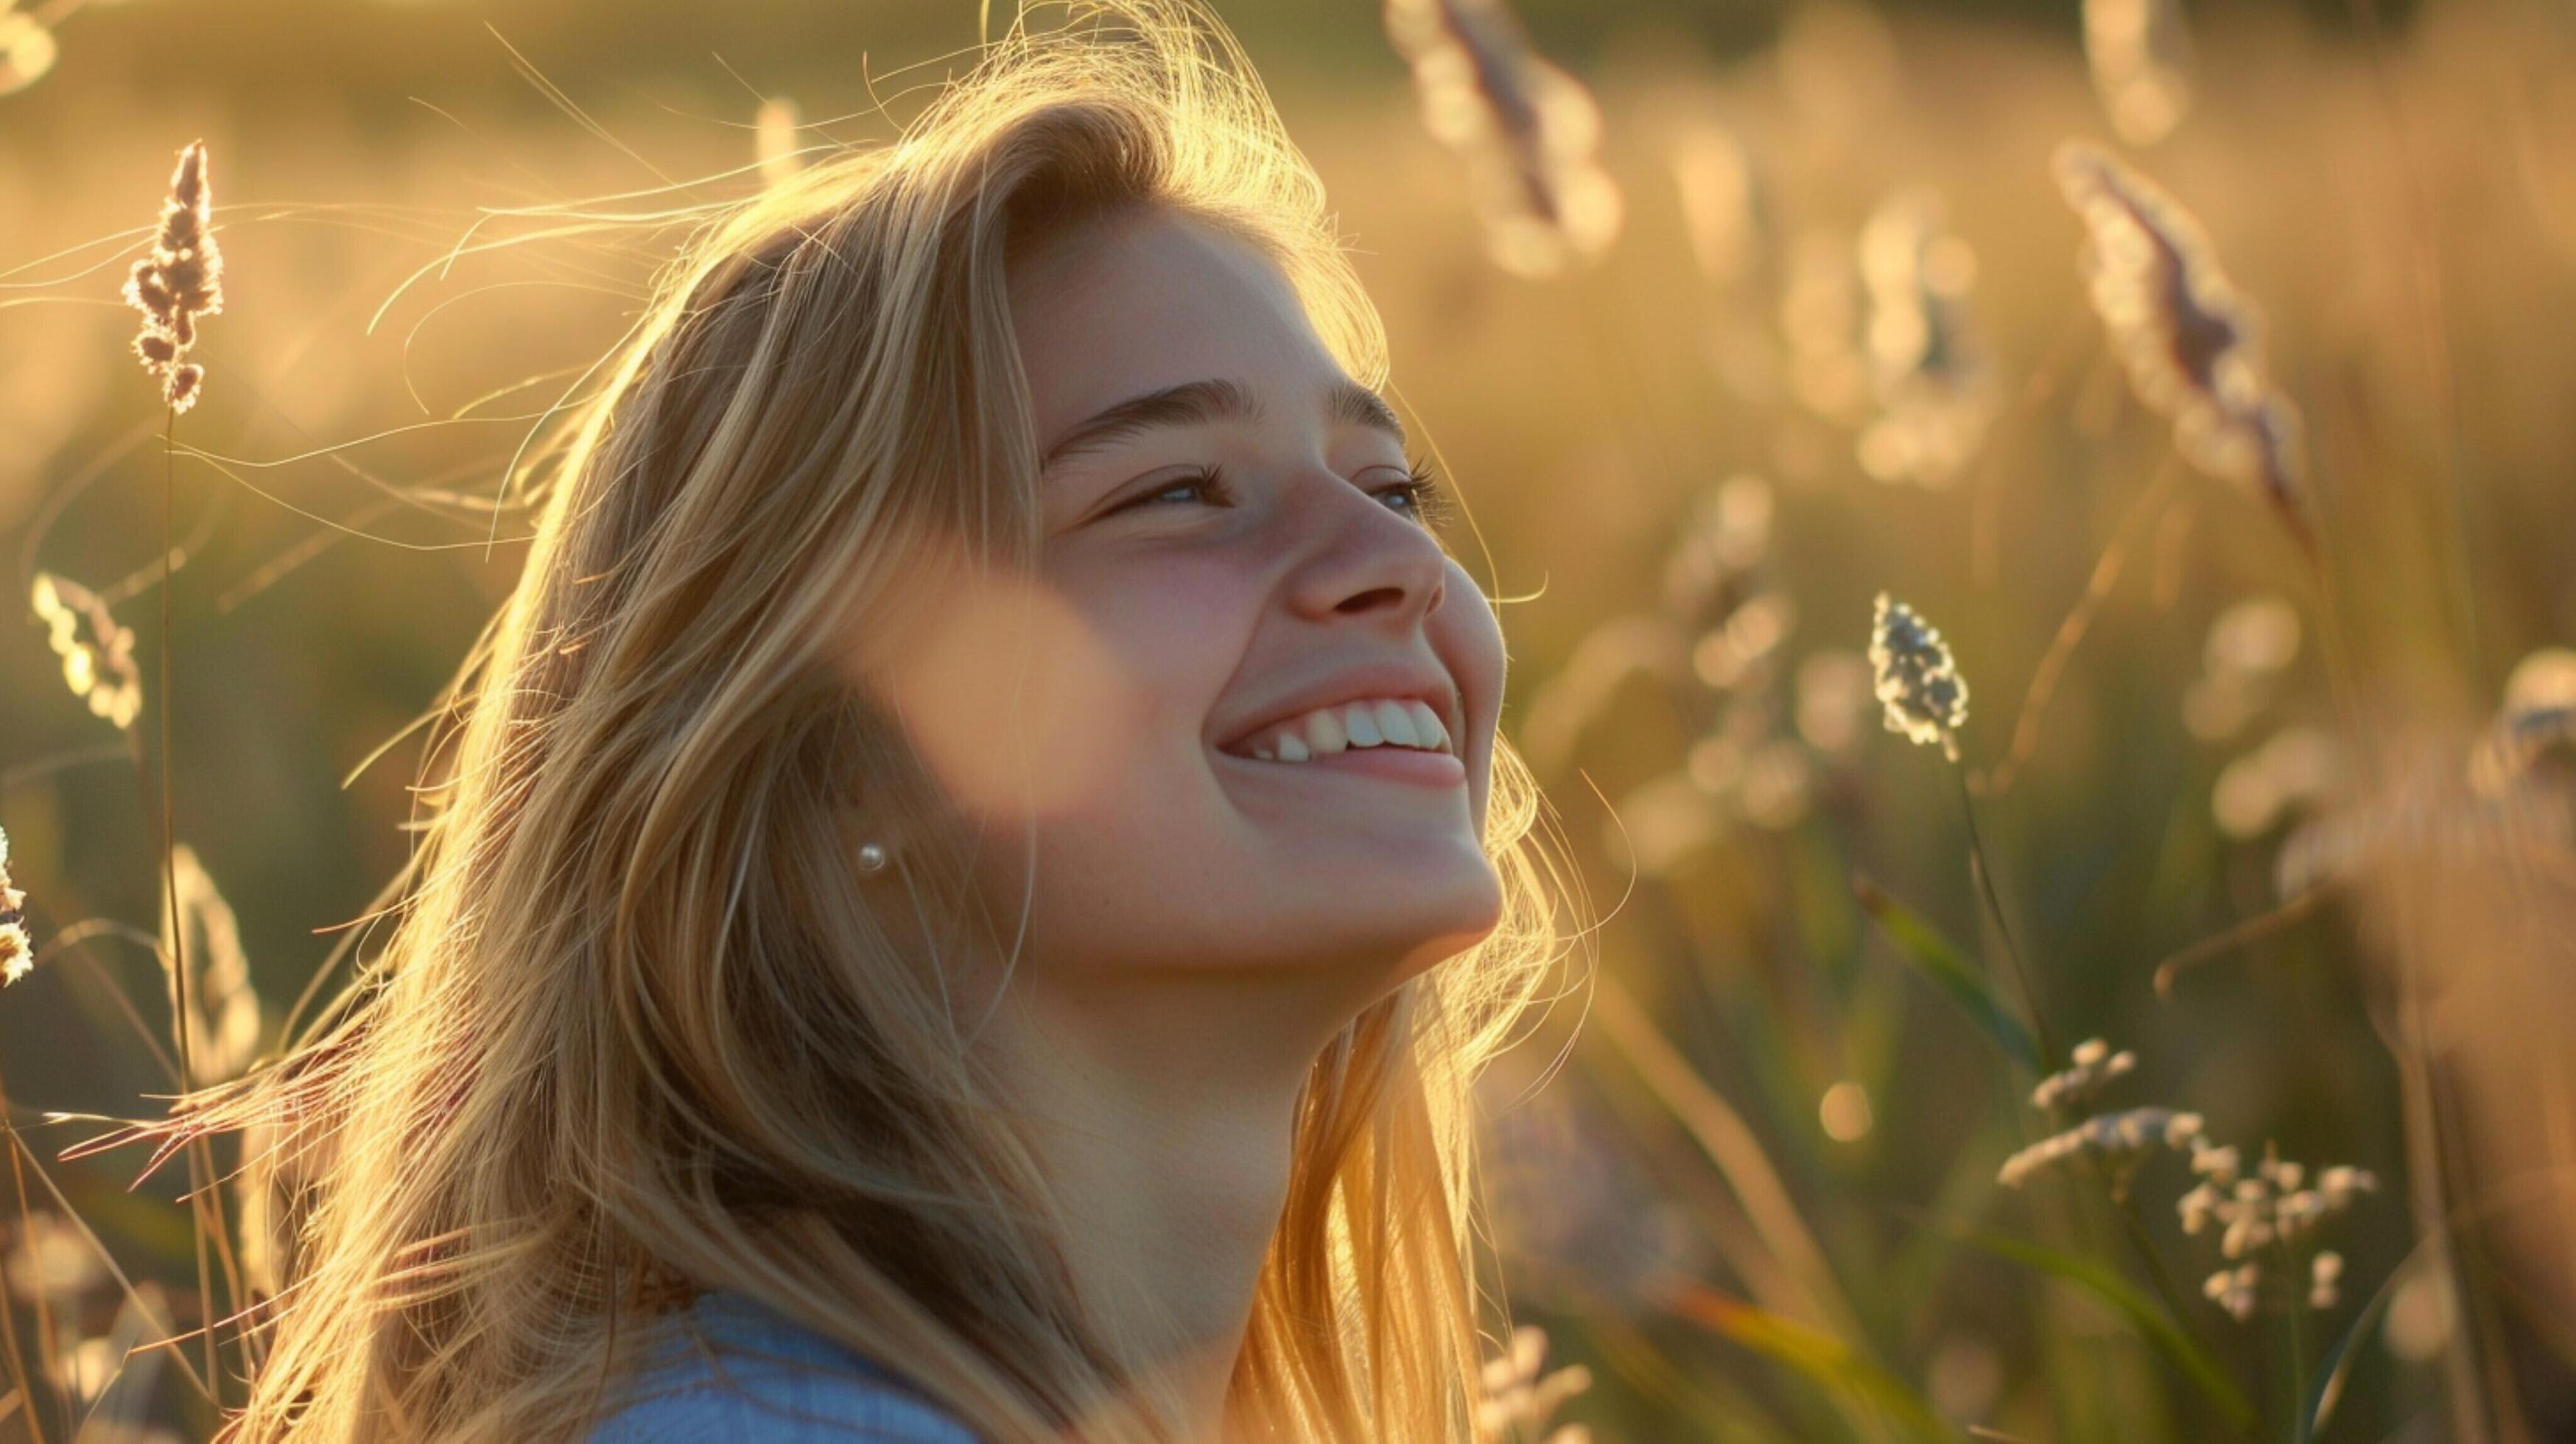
<point x="1245" y="623"/>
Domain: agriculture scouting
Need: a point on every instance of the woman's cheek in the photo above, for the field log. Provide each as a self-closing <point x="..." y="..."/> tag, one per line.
<point x="1179" y="627"/>
<point x="1015" y="699"/>
<point x="1470" y="644"/>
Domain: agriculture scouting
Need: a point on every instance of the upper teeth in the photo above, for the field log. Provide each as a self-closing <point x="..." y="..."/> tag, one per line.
<point x="1377" y="722"/>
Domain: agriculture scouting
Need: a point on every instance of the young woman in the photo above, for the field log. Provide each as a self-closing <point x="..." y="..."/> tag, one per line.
<point x="976" y="869"/>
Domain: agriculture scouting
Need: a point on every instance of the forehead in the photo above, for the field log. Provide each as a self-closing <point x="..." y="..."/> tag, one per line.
<point x="1139" y="301"/>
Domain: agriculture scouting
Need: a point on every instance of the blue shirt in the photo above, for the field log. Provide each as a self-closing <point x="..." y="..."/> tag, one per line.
<point x="772" y="1381"/>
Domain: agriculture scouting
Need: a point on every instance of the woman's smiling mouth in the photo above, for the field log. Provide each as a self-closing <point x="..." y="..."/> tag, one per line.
<point x="1367" y="722"/>
<point x="1395" y="738"/>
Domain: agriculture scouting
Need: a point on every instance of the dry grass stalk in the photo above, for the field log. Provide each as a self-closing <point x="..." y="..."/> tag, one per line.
<point x="2045" y="677"/>
<point x="180" y="282"/>
<point x="16" y="956"/>
<point x="1528" y="129"/>
<point x="2191" y="342"/>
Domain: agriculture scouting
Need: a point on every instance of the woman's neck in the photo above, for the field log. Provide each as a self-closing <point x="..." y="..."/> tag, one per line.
<point x="1164" y="1117"/>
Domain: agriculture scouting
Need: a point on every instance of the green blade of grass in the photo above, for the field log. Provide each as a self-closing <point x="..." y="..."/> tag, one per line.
<point x="1951" y="971"/>
<point x="2141" y="1312"/>
<point x="1818" y="1356"/>
<point x="2335" y="1368"/>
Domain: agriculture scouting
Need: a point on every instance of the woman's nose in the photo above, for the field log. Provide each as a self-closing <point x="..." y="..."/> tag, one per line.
<point x="1357" y="557"/>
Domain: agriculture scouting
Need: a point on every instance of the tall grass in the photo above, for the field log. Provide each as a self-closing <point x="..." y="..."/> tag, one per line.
<point x="2205" y="386"/>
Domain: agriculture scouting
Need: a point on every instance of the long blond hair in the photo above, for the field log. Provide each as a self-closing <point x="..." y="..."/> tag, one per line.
<point x="580" y="1082"/>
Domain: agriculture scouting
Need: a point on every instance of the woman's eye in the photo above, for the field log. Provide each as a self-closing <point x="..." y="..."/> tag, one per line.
<point x="1422" y="497"/>
<point x="1208" y="486"/>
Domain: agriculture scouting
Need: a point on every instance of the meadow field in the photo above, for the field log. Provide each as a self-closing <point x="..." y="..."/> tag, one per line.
<point x="2039" y="556"/>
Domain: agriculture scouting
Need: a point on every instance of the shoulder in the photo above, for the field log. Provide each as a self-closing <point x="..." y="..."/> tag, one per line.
<point x="730" y="1368"/>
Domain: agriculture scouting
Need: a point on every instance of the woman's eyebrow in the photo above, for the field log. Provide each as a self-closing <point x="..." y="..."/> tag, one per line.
<point x="1194" y="403"/>
<point x="1355" y="405"/>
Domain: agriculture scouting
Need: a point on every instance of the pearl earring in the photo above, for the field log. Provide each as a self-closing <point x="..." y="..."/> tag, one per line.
<point x="872" y="857"/>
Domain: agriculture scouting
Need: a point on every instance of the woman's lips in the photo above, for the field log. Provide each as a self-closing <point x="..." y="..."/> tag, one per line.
<point x="1394" y="764"/>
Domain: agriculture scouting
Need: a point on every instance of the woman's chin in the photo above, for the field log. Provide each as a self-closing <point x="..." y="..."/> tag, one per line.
<point x="1427" y="926"/>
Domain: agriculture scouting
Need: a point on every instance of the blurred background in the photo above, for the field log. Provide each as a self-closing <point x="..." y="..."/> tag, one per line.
<point x="1724" y="316"/>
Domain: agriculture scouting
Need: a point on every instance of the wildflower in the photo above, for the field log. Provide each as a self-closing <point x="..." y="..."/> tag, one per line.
<point x="2192" y="344"/>
<point x="1918" y="681"/>
<point x="2121" y="1143"/>
<point x="2324" y="1272"/>
<point x="2217" y="1163"/>
<point x="2296" y="1211"/>
<point x="2273" y="1206"/>
<point x="2093" y="1064"/>
<point x="17" y="951"/>
<point x="2232" y="1289"/>
<point x="179" y="282"/>
<point x="1518" y="1398"/>
<point x="2249" y="1223"/>
<point x="2138" y="51"/>
<point x="100" y="671"/>
<point x="1529" y="129"/>
<point x="2341" y="1182"/>
<point x="2198" y="1206"/>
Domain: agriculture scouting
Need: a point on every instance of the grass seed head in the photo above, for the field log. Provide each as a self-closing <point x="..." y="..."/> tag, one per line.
<point x="2191" y="342"/>
<point x="101" y="670"/>
<point x="1529" y="130"/>
<point x="2140" y="54"/>
<point x="1917" y="679"/>
<point x="225" y="1028"/>
<point x="1928" y="371"/>
<point x="181" y="281"/>
<point x="17" y="951"/>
